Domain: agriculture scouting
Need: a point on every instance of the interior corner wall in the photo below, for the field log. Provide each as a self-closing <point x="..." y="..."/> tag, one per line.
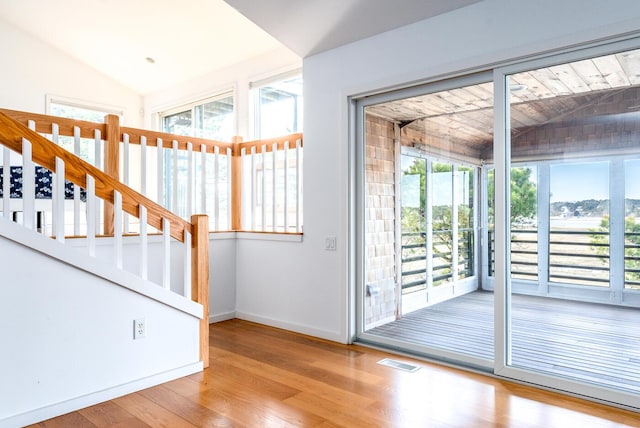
<point x="311" y="286"/>
<point x="30" y="69"/>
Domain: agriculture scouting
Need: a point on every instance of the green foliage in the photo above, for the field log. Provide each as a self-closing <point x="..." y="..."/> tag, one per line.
<point x="413" y="218"/>
<point x="632" y="245"/>
<point x="523" y="195"/>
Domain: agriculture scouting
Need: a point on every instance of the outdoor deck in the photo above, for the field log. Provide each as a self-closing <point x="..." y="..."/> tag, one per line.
<point x="586" y="341"/>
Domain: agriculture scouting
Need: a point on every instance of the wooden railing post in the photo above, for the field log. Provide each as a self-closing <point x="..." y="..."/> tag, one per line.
<point x="236" y="184"/>
<point x="111" y="163"/>
<point x="200" y="278"/>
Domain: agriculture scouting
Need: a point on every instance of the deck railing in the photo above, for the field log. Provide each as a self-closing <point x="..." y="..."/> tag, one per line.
<point x="241" y="186"/>
<point x="575" y="256"/>
<point x="24" y="146"/>
<point x="414" y="258"/>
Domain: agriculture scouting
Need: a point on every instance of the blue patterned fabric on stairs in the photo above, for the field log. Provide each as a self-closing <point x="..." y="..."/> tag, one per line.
<point x="44" y="184"/>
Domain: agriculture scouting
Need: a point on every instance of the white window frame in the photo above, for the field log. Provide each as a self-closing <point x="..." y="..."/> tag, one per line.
<point x="84" y="104"/>
<point x="191" y="105"/>
<point x="255" y="85"/>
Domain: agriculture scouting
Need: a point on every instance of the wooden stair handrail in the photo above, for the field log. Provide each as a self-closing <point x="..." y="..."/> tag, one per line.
<point x="44" y="153"/>
<point x="44" y="123"/>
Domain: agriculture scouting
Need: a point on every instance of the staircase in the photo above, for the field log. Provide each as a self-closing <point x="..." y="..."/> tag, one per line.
<point x="68" y="304"/>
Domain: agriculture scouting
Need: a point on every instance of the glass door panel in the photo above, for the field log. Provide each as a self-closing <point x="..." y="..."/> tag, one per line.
<point x="423" y="155"/>
<point x="574" y="243"/>
<point x="442" y="226"/>
<point x="632" y="224"/>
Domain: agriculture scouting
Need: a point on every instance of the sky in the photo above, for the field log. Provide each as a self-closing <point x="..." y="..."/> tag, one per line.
<point x="573" y="182"/>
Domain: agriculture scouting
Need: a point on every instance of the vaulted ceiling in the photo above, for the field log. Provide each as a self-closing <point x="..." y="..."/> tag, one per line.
<point x="190" y="38"/>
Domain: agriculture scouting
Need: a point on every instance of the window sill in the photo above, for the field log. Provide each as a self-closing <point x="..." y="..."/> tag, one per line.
<point x="269" y="236"/>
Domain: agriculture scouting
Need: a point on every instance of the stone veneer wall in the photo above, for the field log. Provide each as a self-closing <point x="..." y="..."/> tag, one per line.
<point x="380" y="221"/>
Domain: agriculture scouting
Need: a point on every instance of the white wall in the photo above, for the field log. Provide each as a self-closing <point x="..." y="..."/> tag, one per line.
<point x="222" y="276"/>
<point x="30" y="68"/>
<point x="236" y="77"/>
<point x="67" y="338"/>
<point x="305" y="288"/>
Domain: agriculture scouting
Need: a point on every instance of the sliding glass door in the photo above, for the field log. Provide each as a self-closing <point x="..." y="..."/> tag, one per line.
<point x="423" y="153"/>
<point x="517" y="251"/>
<point x="566" y="273"/>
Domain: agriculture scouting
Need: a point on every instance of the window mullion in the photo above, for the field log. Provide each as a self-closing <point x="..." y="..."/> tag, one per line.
<point x="544" y="190"/>
<point x="616" y="229"/>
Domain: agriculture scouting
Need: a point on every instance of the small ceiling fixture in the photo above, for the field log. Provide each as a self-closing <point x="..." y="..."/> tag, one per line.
<point x="516" y="88"/>
<point x="150" y="60"/>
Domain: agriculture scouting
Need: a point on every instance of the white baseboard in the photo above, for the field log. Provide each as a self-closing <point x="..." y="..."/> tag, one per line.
<point x="51" y="411"/>
<point x="334" y="336"/>
<point x="222" y="317"/>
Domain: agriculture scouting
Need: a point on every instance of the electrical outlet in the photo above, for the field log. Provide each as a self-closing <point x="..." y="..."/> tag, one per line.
<point x="139" y="329"/>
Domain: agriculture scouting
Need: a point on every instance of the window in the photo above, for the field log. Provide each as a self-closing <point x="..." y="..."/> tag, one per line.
<point x="80" y="110"/>
<point x="278" y="106"/>
<point x="212" y="118"/>
<point x="68" y="108"/>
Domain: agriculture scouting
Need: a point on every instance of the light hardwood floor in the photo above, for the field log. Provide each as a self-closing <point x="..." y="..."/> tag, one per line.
<point x="265" y="377"/>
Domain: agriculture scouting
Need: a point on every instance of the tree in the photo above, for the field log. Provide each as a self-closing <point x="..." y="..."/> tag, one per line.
<point x="523" y="195"/>
<point x="413" y="218"/>
<point x="632" y="246"/>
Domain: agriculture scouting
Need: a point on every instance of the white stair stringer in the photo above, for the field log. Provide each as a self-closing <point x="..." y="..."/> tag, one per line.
<point x="66" y="253"/>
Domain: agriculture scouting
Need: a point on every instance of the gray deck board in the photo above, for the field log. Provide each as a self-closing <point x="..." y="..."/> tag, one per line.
<point x="585" y="341"/>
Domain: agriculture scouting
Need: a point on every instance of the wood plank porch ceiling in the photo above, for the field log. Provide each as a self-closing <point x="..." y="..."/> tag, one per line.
<point x="538" y="97"/>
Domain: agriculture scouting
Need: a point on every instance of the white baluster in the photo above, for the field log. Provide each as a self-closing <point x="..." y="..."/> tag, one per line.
<point x="166" y="254"/>
<point x="31" y="124"/>
<point x="55" y="133"/>
<point x="229" y="160"/>
<point x="76" y="189"/>
<point x="174" y="175"/>
<point x="143" y="165"/>
<point x="254" y="193"/>
<point x="298" y="186"/>
<point x="97" y="147"/>
<point x="274" y="196"/>
<point x="286" y="186"/>
<point x="28" y="185"/>
<point x="117" y="228"/>
<point x="125" y="174"/>
<point x="216" y="186"/>
<point x="263" y="161"/>
<point x="6" y="182"/>
<point x="58" y="196"/>
<point x="91" y="215"/>
<point x="76" y="141"/>
<point x="144" y="248"/>
<point x="187" y="264"/>
<point x="190" y="178"/>
<point x="203" y="178"/>
<point x="160" y="172"/>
